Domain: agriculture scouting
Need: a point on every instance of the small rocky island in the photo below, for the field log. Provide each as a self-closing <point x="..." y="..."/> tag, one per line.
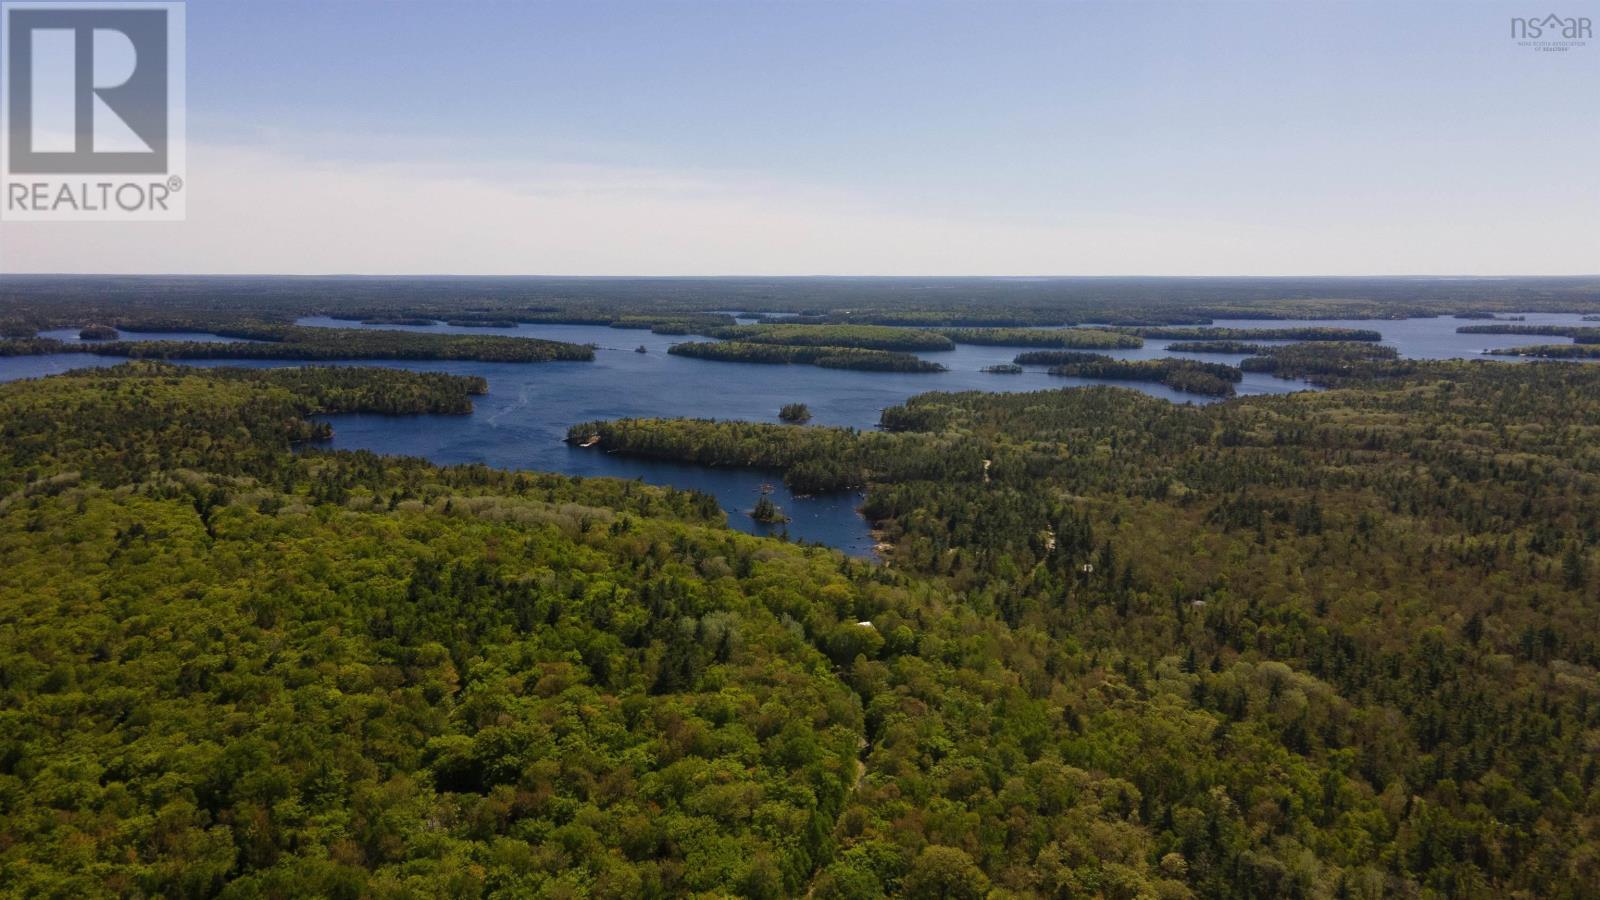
<point x="768" y="512"/>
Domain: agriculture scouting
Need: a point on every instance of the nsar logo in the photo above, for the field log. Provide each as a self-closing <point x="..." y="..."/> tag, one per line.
<point x="1553" y="32"/>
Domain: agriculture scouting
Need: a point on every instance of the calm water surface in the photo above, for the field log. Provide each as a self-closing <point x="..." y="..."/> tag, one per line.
<point x="522" y="421"/>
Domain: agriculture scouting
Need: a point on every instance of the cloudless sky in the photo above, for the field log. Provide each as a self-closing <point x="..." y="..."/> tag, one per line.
<point x="796" y="137"/>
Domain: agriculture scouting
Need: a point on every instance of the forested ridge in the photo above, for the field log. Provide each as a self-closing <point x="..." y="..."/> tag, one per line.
<point x="1330" y="644"/>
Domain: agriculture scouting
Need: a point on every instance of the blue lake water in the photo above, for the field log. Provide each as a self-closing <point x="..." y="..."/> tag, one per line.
<point x="522" y="421"/>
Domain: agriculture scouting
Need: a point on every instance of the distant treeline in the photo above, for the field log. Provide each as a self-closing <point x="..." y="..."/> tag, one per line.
<point x="825" y="357"/>
<point x="680" y="305"/>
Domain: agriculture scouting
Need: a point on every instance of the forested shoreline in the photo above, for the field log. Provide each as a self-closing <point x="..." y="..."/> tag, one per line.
<point x="317" y="345"/>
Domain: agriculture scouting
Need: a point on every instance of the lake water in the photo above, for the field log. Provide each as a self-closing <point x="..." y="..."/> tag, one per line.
<point x="523" y="420"/>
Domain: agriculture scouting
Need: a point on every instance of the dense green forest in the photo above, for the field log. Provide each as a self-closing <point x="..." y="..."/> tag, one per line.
<point x="786" y="354"/>
<point x="1342" y="643"/>
<point x="318" y="344"/>
<point x="1338" y="643"/>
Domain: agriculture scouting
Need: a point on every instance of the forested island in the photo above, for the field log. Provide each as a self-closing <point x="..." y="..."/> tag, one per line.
<point x="767" y="512"/>
<point x="1551" y="351"/>
<point x="1057" y="358"/>
<point x="1579" y="334"/>
<point x="826" y="357"/>
<point x="1325" y="362"/>
<point x="1220" y="347"/>
<point x="796" y="413"/>
<point x="1312" y="333"/>
<point x="1315" y="361"/>
<point x="1067" y="338"/>
<point x="1212" y="379"/>
<point x="861" y="337"/>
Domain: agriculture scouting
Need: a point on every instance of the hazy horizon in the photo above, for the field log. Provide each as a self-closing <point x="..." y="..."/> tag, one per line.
<point x="1017" y="139"/>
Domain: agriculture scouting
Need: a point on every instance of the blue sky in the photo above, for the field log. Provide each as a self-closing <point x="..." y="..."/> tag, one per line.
<point x="885" y="138"/>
